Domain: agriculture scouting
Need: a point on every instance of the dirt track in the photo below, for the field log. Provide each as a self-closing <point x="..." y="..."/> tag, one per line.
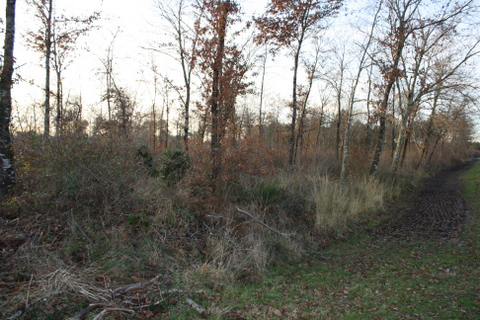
<point x="436" y="211"/>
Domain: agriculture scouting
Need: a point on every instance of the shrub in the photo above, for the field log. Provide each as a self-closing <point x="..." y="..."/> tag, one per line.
<point x="270" y="192"/>
<point x="146" y="158"/>
<point x="173" y="166"/>
<point x="80" y="173"/>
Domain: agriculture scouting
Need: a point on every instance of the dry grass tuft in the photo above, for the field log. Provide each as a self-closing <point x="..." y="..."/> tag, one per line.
<point x="337" y="205"/>
<point x="218" y="313"/>
<point x="242" y="249"/>
<point x="331" y="205"/>
<point x="62" y="282"/>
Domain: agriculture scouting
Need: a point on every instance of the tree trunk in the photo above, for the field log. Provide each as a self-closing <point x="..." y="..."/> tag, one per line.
<point x="339" y="114"/>
<point x="402" y="135"/>
<point x="58" y="119"/>
<point x="392" y="138"/>
<point x="429" y="130"/>
<point x="381" y="131"/>
<point x="434" y="147"/>
<point x="48" y="51"/>
<point x="405" y="144"/>
<point x="154" y="112"/>
<point x="216" y="103"/>
<point x="352" y="100"/>
<point x="167" y="134"/>
<point x="187" y="77"/>
<point x="320" y="124"/>
<point x="109" y="86"/>
<point x="393" y="75"/>
<point x="7" y="173"/>
<point x="303" y="116"/>
<point x="291" y="158"/>
<point x="260" y="115"/>
<point x="369" y="94"/>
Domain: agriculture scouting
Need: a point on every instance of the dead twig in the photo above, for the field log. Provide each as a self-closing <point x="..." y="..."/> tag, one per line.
<point x="79" y="228"/>
<point x="85" y="311"/>
<point x="264" y="224"/>
<point x="28" y="291"/>
<point x="127" y="288"/>
<point x="218" y="217"/>
<point x="133" y="286"/>
<point x="197" y="307"/>
<point x="105" y="311"/>
<point x="16" y="315"/>
<point x="156" y="303"/>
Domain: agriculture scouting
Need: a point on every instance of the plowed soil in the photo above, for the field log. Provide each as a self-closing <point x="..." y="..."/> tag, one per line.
<point x="436" y="211"/>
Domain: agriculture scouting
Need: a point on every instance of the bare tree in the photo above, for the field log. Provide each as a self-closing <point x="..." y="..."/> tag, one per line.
<point x="336" y="78"/>
<point x="7" y="172"/>
<point x="55" y="39"/>
<point x="312" y="67"/>
<point x="262" y="87"/>
<point x="41" y="41"/>
<point x="404" y="20"/>
<point x="108" y="72"/>
<point x="186" y="43"/>
<point x="400" y="18"/>
<point x="65" y="33"/>
<point x="289" y="24"/>
<point x="419" y="83"/>
<point x="351" y="102"/>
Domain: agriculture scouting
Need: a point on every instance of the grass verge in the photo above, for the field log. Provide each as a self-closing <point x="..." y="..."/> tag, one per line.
<point x="369" y="279"/>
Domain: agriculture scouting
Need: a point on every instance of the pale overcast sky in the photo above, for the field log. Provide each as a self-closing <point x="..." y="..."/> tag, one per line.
<point x="139" y="25"/>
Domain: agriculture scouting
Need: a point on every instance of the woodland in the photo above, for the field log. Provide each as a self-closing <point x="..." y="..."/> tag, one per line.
<point x="132" y="212"/>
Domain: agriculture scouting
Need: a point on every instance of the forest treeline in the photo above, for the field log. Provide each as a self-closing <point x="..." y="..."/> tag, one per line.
<point x="404" y="92"/>
<point x="210" y="180"/>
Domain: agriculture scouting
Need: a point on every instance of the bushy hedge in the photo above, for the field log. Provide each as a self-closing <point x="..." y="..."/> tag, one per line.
<point x="94" y="174"/>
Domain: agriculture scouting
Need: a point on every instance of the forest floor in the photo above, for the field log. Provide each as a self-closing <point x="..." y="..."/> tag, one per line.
<point x="424" y="263"/>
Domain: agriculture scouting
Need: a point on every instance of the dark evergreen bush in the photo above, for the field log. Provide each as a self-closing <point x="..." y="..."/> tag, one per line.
<point x="173" y="166"/>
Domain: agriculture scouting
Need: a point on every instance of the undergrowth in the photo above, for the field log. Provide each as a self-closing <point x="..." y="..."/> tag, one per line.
<point x="369" y="278"/>
<point x="101" y="212"/>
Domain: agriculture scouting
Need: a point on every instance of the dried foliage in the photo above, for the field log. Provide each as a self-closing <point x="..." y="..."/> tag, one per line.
<point x="78" y="172"/>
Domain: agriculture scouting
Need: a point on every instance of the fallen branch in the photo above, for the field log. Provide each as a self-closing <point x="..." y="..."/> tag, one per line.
<point x="133" y="286"/>
<point x="85" y="311"/>
<point x="13" y="283"/>
<point x="28" y="291"/>
<point x="197" y="307"/>
<point x="218" y="217"/>
<point x="16" y="315"/>
<point x="101" y="314"/>
<point x="264" y="224"/>
<point x="79" y="227"/>
<point x="156" y="303"/>
<point x="127" y="288"/>
<point x="159" y="301"/>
